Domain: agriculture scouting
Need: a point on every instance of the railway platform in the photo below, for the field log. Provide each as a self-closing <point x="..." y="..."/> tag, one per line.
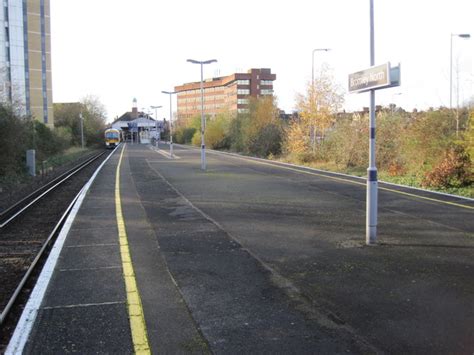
<point x="87" y="301"/>
<point x="250" y="256"/>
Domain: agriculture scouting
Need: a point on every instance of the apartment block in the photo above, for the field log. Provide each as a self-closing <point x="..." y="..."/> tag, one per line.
<point x="227" y="93"/>
<point x="25" y="57"/>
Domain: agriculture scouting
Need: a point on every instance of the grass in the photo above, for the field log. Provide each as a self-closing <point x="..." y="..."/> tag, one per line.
<point x="71" y="154"/>
<point x="415" y="181"/>
<point x="408" y="180"/>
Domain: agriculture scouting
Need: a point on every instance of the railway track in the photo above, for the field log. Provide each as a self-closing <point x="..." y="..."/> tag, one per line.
<point x="27" y="231"/>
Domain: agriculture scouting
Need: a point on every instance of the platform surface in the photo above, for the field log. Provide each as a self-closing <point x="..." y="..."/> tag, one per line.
<point x="253" y="258"/>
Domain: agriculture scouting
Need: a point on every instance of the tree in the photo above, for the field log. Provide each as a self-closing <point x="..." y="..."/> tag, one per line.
<point x="216" y="132"/>
<point x="13" y="142"/>
<point x="67" y="116"/>
<point x="94" y="120"/>
<point x="317" y="109"/>
<point x="185" y="129"/>
<point x="262" y="131"/>
<point x="297" y="141"/>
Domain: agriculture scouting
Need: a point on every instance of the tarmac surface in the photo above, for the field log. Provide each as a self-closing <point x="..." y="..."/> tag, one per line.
<point x="251" y="257"/>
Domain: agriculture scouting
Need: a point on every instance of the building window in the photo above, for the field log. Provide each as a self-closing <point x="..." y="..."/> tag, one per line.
<point x="266" y="92"/>
<point x="266" y="82"/>
<point x="243" y="101"/>
<point x="243" y="82"/>
<point x="243" y="92"/>
<point x="243" y="110"/>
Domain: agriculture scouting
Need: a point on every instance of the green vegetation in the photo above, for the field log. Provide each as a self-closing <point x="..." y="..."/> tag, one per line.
<point x="418" y="149"/>
<point x="53" y="147"/>
<point x="258" y="132"/>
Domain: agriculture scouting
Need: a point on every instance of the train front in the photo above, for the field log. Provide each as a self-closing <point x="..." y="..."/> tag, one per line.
<point x="112" y="138"/>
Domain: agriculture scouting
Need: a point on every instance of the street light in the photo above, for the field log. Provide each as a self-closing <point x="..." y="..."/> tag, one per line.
<point x="461" y="35"/>
<point x="156" y="110"/>
<point x="393" y="101"/>
<point x="312" y="61"/>
<point x="313" y="128"/>
<point x="465" y="36"/>
<point x="170" y="93"/>
<point x="156" y="118"/>
<point x="203" y="123"/>
<point x="82" y="130"/>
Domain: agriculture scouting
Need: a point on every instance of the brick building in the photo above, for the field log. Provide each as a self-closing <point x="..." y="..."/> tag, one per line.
<point x="228" y="93"/>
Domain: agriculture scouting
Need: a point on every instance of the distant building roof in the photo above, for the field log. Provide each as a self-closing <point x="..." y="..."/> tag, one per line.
<point x="127" y="116"/>
<point x="140" y="121"/>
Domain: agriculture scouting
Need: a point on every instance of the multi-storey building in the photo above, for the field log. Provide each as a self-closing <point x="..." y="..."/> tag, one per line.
<point x="228" y="93"/>
<point x="25" y="57"/>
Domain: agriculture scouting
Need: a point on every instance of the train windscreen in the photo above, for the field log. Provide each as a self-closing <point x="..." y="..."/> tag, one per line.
<point x="111" y="135"/>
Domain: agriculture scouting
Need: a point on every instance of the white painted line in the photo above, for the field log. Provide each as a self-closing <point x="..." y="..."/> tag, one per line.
<point x="92" y="268"/>
<point x="164" y="153"/>
<point x="28" y="316"/>
<point x="92" y="245"/>
<point x="86" y="305"/>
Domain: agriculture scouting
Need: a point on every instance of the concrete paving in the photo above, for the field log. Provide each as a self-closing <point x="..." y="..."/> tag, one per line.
<point x="253" y="258"/>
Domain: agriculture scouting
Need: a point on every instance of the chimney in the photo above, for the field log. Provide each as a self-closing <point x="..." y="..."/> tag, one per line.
<point x="134" y="109"/>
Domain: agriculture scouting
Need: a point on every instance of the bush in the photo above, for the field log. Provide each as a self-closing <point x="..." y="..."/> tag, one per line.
<point x="454" y="170"/>
<point x="14" y="142"/>
<point x="347" y="143"/>
<point x="183" y="135"/>
<point x="47" y="142"/>
<point x="266" y="141"/>
<point x="235" y="135"/>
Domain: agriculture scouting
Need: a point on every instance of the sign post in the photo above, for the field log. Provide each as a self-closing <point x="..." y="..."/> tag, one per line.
<point x="376" y="77"/>
<point x="372" y="183"/>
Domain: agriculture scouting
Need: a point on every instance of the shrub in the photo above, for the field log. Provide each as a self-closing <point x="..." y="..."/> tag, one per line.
<point x="454" y="170"/>
<point x="184" y="135"/>
<point x="14" y="142"/>
<point x="266" y="141"/>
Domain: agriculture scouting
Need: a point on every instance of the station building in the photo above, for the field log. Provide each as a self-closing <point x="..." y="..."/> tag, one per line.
<point x="227" y="93"/>
<point x="138" y="127"/>
<point x="25" y="58"/>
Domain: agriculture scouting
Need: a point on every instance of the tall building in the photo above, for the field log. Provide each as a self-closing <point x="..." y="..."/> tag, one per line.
<point x="228" y="93"/>
<point x="25" y="57"/>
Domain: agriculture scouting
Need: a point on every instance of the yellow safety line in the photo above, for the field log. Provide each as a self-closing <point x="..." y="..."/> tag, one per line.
<point x="135" y="309"/>
<point x="355" y="182"/>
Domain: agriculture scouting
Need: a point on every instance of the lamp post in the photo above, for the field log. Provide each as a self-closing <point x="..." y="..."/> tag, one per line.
<point x="170" y="93"/>
<point x="393" y="101"/>
<point x="312" y="61"/>
<point x="313" y="128"/>
<point x="203" y="123"/>
<point x="82" y="130"/>
<point x="156" y="118"/>
<point x="156" y="110"/>
<point x="465" y="36"/>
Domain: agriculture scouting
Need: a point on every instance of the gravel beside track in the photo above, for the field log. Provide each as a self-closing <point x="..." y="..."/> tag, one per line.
<point x="21" y="240"/>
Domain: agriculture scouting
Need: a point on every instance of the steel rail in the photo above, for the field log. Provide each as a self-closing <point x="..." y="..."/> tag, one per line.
<point x="55" y="183"/>
<point x="32" y="267"/>
<point x="46" y="244"/>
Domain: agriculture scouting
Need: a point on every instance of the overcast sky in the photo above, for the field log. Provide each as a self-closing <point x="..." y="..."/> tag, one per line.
<point x="121" y="49"/>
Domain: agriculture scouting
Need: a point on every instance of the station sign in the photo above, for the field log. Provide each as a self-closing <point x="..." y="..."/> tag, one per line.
<point x="133" y="126"/>
<point x="377" y="77"/>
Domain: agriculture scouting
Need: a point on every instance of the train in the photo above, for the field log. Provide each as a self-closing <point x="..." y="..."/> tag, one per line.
<point x="112" y="137"/>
